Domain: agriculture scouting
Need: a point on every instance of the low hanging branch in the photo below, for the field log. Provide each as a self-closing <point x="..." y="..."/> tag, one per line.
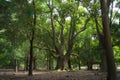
<point x="83" y="28"/>
<point x="50" y="6"/>
<point x="48" y="49"/>
<point x="61" y="24"/>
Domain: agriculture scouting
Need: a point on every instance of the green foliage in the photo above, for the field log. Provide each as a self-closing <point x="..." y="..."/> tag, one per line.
<point x="16" y="24"/>
<point x="6" y="54"/>
<point x="117" y="54"/>
<point x="66" y="9"/>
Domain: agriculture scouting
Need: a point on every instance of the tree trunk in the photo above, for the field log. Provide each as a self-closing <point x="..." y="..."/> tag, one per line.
<point x="79" y="65"/>
<point x="67" y="63"/>
<point x="79" y="61"/>
<point x="89" y="65"/>
<point x="26" y="63"/>
<point x="32" y="41"/>
<point x="60" y="63"/>
<point x="16" y="67"/>
<point x="63" y="63"/>
<point x="31" y="58"/>
<point x="103" y="64"/>
<point x="111" y="68"/>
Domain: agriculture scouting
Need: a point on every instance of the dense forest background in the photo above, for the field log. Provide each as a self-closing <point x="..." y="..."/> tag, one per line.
<point x="59" y="34"/>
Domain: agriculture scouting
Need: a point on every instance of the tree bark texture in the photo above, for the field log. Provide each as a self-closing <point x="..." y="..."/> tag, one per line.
<point x="31" y="58"/>
<point x="111" y="68"/>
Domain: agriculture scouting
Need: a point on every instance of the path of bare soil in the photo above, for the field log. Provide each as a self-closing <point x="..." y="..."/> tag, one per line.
<point x="54" y="75"/>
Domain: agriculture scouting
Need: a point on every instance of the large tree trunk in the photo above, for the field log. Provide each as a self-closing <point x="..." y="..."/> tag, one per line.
<point x="63" y="63"/>
<point x="60" y="63"/>
<point x="111" y="68"/>
<point x="67" y="63"/>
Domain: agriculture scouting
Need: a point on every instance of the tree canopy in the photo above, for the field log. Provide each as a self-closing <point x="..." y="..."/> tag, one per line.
<point x="60" y="34"/>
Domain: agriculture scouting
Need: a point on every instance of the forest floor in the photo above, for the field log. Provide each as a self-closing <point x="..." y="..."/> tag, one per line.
<point x="54" y="75"/>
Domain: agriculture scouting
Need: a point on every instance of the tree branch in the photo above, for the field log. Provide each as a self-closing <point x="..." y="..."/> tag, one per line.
<point x="52" y="51"/>
<point x="83" y="28"/>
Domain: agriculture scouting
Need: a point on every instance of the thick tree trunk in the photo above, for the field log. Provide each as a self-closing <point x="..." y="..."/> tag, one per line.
<point x="111" y="68"/>
<point x="60" y="63"/>
<point x="67" y="63"/>
<point x="63" y="63"/>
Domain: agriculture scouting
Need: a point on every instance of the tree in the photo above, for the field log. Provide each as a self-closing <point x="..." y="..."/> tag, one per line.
<point x="99" y="33"/>
<point x="111" y="69"/>
<point x="64" y="32"/>
<point x="32" y="40"/>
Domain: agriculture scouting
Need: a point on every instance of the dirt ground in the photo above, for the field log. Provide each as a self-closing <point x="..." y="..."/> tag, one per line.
<point x="54" y="75"/>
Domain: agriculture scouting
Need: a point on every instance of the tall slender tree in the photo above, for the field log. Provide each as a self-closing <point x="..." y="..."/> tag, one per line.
<point x="32" y="40"/>
<point x="111" y="68"/>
